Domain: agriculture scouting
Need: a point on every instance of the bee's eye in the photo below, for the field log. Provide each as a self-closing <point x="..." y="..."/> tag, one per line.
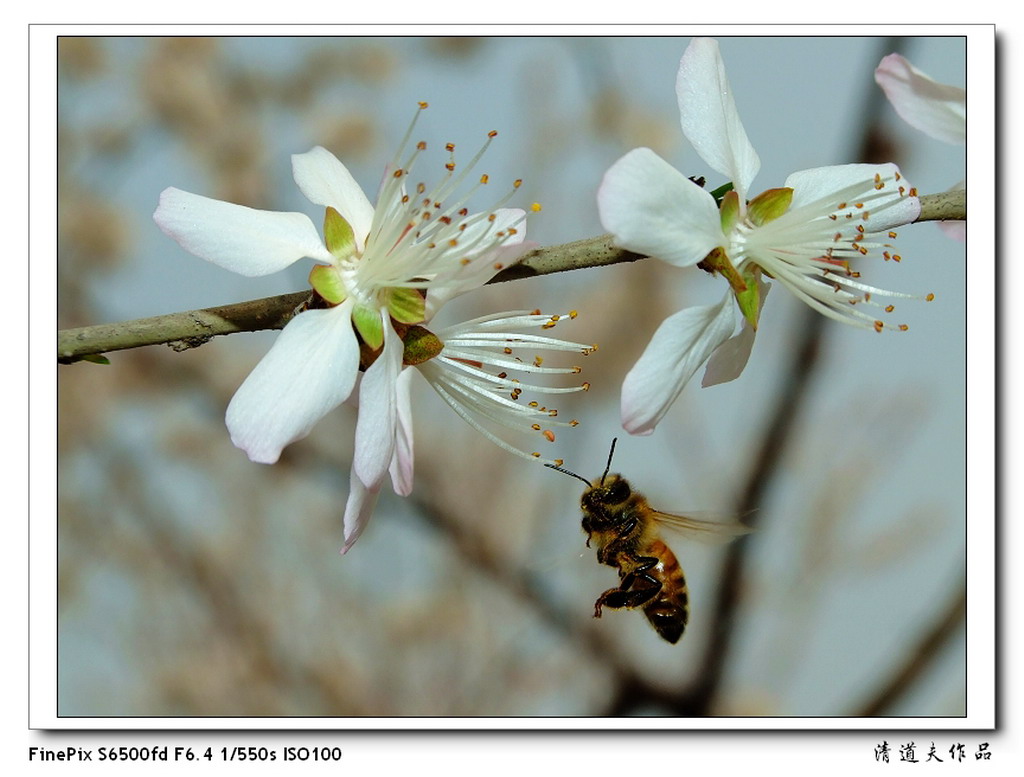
<point x="618" y="491"/>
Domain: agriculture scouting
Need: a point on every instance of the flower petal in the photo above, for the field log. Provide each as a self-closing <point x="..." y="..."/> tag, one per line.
<point x="653" y="209"/>
<point x="955" y="230"/>
<point x="244" y="240"/>
<point x="729" y="359"/>
<point x="401" y="461"/>
<point x="709" y="117"/>
<point x="309" y="371"/>
<point x="481" y="234"/>
<point x="358" y="509"/>
<point x="938" y="110"/>
<point x="326" y="181"/>
<point x="889" y="206"/>
<point x="485" y="258"/>
<point x="378" y="411"/>
<point x="682" y="343"/>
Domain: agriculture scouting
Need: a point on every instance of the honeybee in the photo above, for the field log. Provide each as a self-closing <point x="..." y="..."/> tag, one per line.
<point x="625" y="530"/>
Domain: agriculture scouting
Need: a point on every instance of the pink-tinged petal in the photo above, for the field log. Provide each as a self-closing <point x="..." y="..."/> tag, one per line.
<point x="401" y="461"/>
<point x="889" y="207"/>
<point x="326" y="181"/>
<point x="731" y="357"/>
<point x="358" y="509"/>
<point x="378" y="412"/>
<point x="653" y="209"/>
<point x="244" y="240"/>
<point x="954" y="230"/>
<point x="309" y="371"/>
<point x="938" y="110"/>
<point x="709" y="117"/>
<point x="683" y="342"/>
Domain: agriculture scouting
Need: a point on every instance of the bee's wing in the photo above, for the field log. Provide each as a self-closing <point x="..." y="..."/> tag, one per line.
<point x="716" y="529"/>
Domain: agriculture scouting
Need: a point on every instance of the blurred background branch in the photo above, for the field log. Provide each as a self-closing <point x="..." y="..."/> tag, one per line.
<point x="194" y="582"/>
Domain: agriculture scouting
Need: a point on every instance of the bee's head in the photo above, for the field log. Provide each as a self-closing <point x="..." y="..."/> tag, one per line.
<point x="610" y="491"/>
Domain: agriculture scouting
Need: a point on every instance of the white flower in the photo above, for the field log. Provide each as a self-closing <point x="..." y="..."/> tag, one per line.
<point x="803" y="235"/>
<point x="938" y="110"/>
<point x="473" y="367"/>
<point x="472" y="374"/>
<point x="379" y="270"/>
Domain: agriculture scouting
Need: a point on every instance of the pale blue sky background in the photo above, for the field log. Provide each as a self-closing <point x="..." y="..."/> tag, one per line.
<point x="863" y="535"/>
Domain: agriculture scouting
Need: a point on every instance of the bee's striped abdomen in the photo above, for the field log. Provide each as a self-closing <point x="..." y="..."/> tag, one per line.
<point x="669" y="611"/>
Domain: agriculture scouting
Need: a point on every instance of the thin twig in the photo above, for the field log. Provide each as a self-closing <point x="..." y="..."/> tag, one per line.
<point x="947" y="206"/>
<point x="921" y="657"/>
<point x="193" y="328"/>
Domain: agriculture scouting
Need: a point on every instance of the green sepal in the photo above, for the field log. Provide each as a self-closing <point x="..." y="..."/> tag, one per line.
<point x="718" y="261"/>
<point x="96" y="358"/>
<point x="326" y="281"/>
<point x="769" y="205"/>
<point x="368" y="323"/>
<point x="338" y="234"/>
<point x="420" y="345"/>
<point x="730" y="211"/>
<point x="749" y="300"/>
<point x="721" y="191"/>
<point x="407" y="306"/>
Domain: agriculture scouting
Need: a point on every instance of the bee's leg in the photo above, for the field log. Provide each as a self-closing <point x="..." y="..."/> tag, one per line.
<point x="634" y="591"/>
<point x="620" y="547"/>
<point x="643" y="563"/>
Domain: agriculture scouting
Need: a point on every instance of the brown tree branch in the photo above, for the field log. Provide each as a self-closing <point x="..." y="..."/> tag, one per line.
<point x="192" y="328"/>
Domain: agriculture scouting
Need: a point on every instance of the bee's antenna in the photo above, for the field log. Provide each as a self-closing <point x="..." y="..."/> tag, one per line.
<point x="608" y="466"/>
<point x="567" y="472"/>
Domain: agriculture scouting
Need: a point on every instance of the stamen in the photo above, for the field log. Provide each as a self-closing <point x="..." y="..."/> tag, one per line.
<point x="466" y="375"/>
